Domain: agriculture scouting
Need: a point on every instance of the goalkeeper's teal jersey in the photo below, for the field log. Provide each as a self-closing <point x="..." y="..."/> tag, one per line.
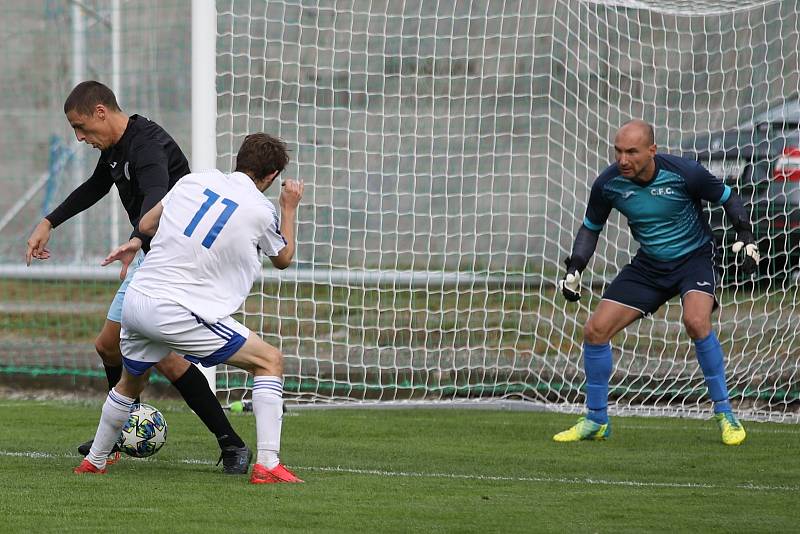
<point x="665" y="215"/>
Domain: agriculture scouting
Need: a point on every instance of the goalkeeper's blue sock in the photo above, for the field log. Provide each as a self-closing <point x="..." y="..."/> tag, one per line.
<point x="709" y="356"/>
<point x="597" y="365"/>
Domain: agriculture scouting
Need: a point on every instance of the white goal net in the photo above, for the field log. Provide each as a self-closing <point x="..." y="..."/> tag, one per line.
<point x="448" y="149"/>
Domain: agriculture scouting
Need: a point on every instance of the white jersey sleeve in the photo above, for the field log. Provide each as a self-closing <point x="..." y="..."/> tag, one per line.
<point x="205" y="254"/>
<point x="272" y="242"/>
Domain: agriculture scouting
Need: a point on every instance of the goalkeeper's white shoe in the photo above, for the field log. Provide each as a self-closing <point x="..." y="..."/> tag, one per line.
<point x="732" y="430"/>
<point x="584" y="429"/>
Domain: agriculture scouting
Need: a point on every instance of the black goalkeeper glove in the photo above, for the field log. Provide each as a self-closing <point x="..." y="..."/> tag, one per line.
<point x="570" y="285"/>
<point x="750" y="256"/>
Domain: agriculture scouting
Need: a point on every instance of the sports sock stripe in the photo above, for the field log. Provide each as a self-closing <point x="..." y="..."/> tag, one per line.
<point x="268" y="385"/>
<point x="120" y="400"/>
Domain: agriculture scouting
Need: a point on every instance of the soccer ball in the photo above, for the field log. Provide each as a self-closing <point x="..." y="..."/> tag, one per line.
<point x="144" y="433"/>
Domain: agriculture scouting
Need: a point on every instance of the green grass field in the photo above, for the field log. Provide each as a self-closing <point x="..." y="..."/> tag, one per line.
<point x="404" y="470"/>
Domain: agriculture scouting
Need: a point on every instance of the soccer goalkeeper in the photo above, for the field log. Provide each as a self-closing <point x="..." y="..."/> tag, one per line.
<point x="660" y="196"/>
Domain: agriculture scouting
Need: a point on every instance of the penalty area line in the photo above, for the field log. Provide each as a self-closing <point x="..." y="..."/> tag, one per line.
<point x="452" y="476"/>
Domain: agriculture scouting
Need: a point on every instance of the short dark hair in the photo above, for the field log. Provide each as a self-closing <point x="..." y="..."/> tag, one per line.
<point x="262" y="154"/>
<point x="86" y="95"/>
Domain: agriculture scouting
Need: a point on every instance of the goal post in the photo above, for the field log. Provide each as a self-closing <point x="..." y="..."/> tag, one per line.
<point x="448" y="150"/>
<point x="204" y="102"/>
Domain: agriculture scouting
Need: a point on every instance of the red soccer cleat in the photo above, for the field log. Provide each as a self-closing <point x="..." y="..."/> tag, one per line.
<point x="277" y="475"/>
<point x="87" y="467"/>
<point x="113" y="458"/>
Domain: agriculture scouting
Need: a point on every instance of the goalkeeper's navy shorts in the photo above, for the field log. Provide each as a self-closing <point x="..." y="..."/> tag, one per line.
<point x="645" y="283"/>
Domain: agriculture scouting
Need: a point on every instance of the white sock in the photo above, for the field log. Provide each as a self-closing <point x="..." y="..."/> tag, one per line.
<point x="268" y="409"/>
<point x="115" y="412"/>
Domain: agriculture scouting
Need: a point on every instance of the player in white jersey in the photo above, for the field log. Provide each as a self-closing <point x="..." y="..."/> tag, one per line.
<point x="210" y="231"/>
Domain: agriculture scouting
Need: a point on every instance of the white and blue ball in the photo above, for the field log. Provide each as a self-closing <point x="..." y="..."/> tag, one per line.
<point x="144" y="433"/>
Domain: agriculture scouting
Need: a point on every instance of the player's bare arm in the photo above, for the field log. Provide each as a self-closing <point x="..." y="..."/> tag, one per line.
<point x="291" y="193"/>
<point x="148" y="224"/>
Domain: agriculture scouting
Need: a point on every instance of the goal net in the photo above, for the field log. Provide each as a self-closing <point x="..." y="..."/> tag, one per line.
<point x="448" y="149"/>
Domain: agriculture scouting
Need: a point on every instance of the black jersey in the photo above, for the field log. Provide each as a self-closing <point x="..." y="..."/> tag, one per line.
<point x="144" y="164"/>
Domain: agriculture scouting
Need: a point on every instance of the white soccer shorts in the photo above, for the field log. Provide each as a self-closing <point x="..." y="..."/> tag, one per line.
<point x="151" y="328"/>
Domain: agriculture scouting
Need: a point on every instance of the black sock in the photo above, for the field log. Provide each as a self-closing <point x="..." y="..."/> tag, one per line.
<point x="193" y="386"/>
<point x="113" y="374"/>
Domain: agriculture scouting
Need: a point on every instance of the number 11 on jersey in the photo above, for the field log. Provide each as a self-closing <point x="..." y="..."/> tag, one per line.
<point x="211" y="236"/>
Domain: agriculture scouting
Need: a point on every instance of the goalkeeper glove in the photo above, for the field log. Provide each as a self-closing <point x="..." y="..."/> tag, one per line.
<point x="751" y="255"/>
<point x="570" y="285"/>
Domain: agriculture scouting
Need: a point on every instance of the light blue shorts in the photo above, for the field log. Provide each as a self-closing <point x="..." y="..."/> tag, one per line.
<point x="115" y="311"/>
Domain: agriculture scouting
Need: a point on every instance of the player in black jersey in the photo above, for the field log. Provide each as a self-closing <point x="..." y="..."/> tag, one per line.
<point x="144" y="162"/>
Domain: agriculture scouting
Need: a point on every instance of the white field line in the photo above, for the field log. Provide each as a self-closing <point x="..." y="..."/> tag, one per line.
<point x="455" y="476"/>
<point x="789" y="429"/>
<point x="549" y="480"/>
